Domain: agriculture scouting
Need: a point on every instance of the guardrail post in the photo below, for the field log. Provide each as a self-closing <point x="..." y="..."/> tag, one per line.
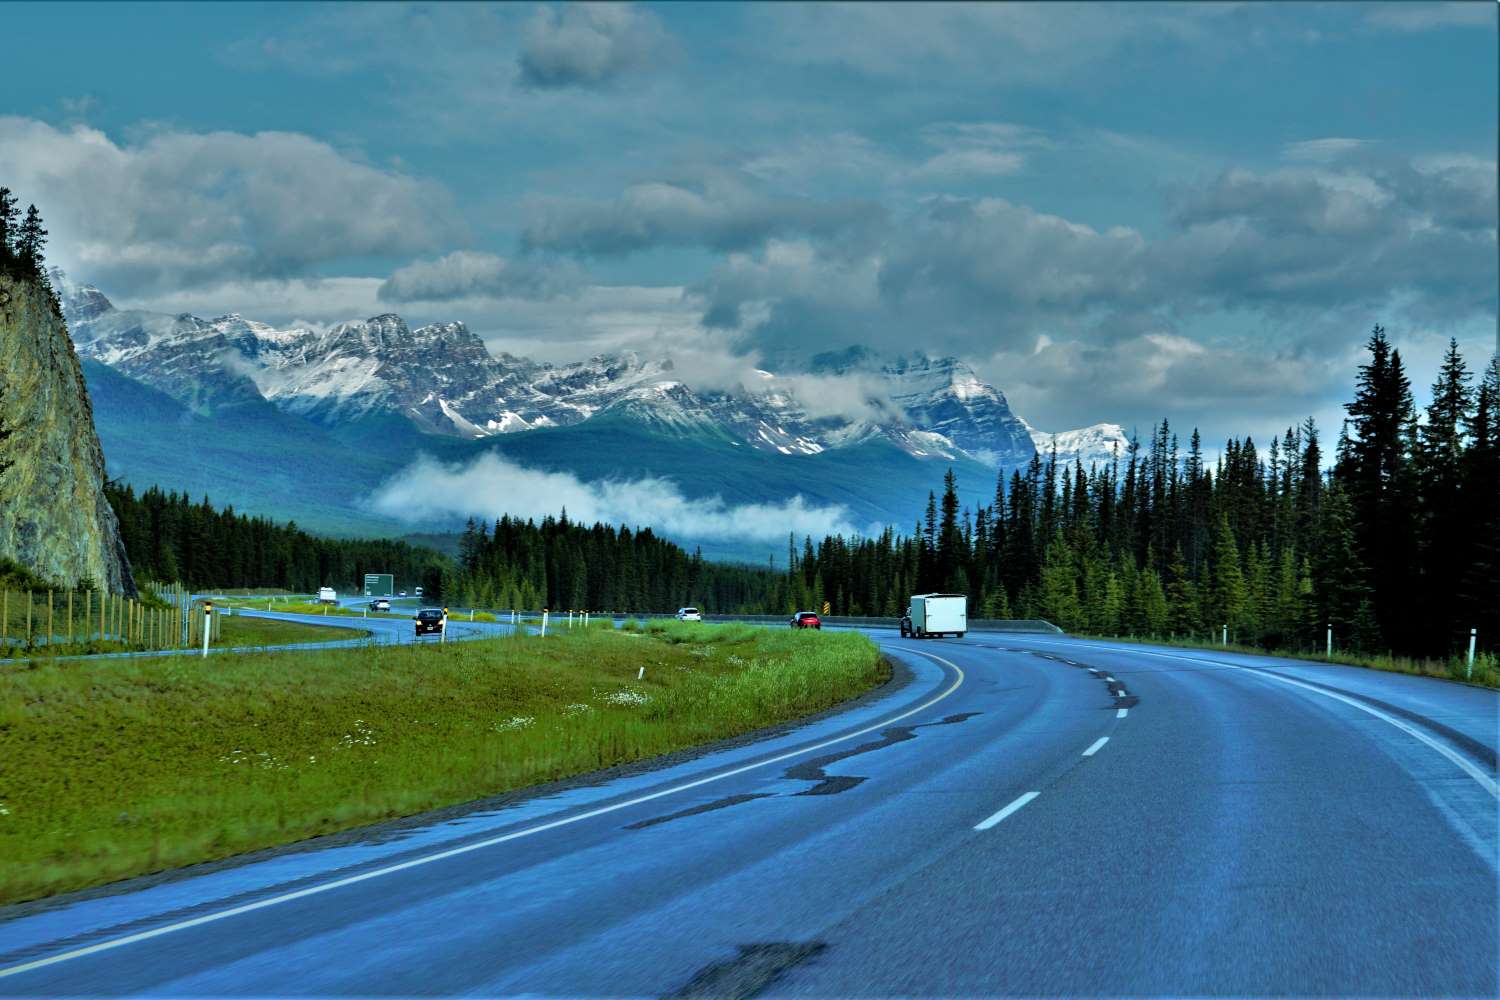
<point x="1473" y="638"/>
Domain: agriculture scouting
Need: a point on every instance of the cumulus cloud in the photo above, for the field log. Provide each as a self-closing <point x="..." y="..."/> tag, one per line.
<point x="977" y="149"/>
<point x="178" y="209"/>
<point x="491" y="485"/>
<point x="986" y="274"/>
<point x="590" y="44"/>
<point x="465" y="274"/>
<point x="717" y="209"/>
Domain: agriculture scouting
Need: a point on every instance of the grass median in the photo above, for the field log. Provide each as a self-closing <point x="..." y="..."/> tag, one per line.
<point x="127" y="767"/>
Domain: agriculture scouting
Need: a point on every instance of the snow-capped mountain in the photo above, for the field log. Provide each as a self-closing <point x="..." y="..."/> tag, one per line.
<point x="444" y="379"/>
<point x="1095" y="445"/>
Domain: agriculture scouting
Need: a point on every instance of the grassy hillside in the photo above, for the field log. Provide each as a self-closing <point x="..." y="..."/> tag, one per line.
<point x="120" y="768"/>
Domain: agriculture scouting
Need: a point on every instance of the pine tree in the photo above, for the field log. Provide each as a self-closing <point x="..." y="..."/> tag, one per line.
<point x="30" y="241"/>
<point x="1226" y="585"/>
<point x="1382" y="490"/>
<point x="1441" y="466"/>
<point x="9" y="229"/>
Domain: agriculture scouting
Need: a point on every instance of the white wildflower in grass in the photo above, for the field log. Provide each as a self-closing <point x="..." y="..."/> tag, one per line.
<point x="260" y="759"/>
<point x="576" y="709"/>
<point x="736" y="661"/>
<point x="627" y="697"/>
<point x="4" y="809"/>
<point x="514" y="723"/>
<point x="704" y="651"/>
<point x="363" y="736"/>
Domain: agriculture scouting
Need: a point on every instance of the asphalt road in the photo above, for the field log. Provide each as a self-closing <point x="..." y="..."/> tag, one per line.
<point x="1027" y="815"/>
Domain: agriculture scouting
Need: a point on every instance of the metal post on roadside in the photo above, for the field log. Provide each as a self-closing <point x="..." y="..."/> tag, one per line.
<point x="544" y="623"/>
<point x="1330" y="641"/>
<point x="208" y="621"/>
<point x="1473" y="638"/>
<point x="1224" y="641"/>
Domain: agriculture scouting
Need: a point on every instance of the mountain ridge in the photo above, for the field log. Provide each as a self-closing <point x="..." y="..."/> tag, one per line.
<point x="443" y="377"/>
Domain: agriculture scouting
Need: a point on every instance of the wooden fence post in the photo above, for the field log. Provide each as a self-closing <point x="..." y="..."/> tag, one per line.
<point x="28" y="619"/>
<point x="50" y="633"/>
<point x="72" y="635"/>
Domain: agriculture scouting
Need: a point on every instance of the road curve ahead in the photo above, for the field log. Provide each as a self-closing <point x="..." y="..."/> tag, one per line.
<point x="1027" y="815"/>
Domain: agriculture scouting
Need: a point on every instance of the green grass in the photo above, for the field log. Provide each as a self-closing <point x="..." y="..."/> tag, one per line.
<point x="1486" y="670"/>
<point x="234" y="630"/>
<point x="313" y="608"/>
<point x="118" y="768"/>
<point x="237" y="630"/>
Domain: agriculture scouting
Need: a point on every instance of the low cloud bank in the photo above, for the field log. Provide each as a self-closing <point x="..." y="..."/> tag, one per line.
<point x="492" y="485"/>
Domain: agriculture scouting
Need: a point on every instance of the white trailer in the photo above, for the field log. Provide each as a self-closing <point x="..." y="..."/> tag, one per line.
<point x="932" y="615"/>
<point x="326" y="595"/>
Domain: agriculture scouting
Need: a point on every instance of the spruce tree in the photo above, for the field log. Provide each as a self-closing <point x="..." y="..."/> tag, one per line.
<point x="30" y="241"/>
<point x="1441" y="464"/>
<point x="9" y="229"/>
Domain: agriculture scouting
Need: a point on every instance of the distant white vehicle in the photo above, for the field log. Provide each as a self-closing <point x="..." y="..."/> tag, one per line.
<point x="932" y="615"/>
<point x="326" y="595"/>
<point x="689" y="615"/>
<point x="418" y="591"/>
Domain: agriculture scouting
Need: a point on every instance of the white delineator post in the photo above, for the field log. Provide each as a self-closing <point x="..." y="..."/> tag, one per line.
<point x="1330" y="640"/>
<point x="1473" y="638"/>
<point x="544" y="623"/>
<point x="208" y="621"/>
<point x="1225" y="641"/>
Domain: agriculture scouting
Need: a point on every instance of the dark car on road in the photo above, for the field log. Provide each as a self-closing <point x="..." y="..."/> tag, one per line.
<point x="429" y="621"/>
<point x="807" y="619"/>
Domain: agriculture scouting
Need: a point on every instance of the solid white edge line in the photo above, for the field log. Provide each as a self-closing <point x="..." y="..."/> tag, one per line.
<point x="1121" y="713"/>
<point x="1099" y="743"/>
<point x="478" y="845"/>
<point x="1468" y="767"/>
<point x="1018" y="803"/>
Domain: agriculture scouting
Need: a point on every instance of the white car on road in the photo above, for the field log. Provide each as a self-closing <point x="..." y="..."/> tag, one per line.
<point x="689" y="615"/>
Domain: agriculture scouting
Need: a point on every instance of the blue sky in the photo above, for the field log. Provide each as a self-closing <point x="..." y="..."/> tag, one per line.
<point x="1115" y="212"/>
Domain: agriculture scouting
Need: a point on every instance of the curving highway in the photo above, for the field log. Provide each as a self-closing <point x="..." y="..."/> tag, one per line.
<point x="1013" y="815"/>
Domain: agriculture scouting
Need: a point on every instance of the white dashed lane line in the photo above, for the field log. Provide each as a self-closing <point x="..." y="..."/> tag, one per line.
<point x="1017" y="804"/>
<point x="1097" y="745"/>
<point x="1121" y="713"/>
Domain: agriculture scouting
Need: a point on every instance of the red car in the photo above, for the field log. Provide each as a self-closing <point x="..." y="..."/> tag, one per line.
<point x="806" y="619"/>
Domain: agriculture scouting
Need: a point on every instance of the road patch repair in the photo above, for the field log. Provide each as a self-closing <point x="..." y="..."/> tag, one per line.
<point x="813" y="771"/>
<point x="1123" y="699"/>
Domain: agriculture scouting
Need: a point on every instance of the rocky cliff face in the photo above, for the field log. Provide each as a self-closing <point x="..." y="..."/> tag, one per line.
<point x="54" y="518"/>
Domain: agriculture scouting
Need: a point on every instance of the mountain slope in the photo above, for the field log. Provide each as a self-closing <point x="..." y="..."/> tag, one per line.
<point x="54" y="518"/>
<point x="443" y="379"/>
